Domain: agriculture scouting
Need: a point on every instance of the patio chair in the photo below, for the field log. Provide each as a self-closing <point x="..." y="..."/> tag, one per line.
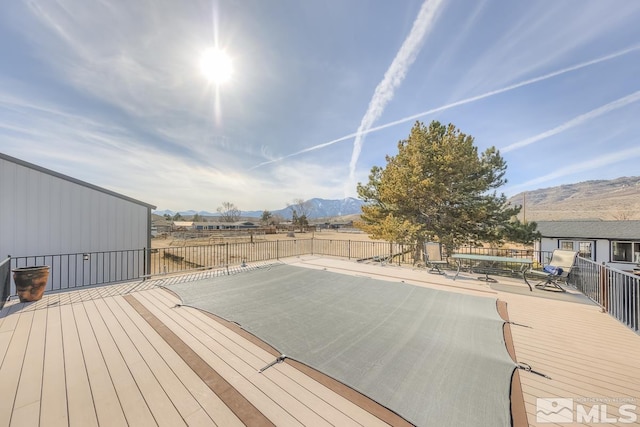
<point x="557" y="270"/>
<point x="433" y="257"/>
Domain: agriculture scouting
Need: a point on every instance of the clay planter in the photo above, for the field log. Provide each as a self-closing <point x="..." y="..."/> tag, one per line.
<point x="31" y="282"/>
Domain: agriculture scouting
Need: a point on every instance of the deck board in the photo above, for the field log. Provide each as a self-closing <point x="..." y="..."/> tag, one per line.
<point x="105" y="398"/>
<point x="334" y="407"/>
<point x="246" y="381"/>
<point x="186" y="405"/>
<point x="306" y="392"/>
<point x="11" y="368"/>
<point x="162" y="408"/>
<point x="586" y="353"/>
<point x="217" y="411"/>
<point x="53" y="408"/>
<point x="28" y="395"/>
<point x="79" y="396"/>
<point x="133" y="403"/>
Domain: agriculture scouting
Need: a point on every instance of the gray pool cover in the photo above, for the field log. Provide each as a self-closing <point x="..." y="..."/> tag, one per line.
<point x="434" y="357"/>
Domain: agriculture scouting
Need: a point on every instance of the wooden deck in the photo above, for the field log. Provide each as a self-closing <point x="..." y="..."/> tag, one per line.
<point x="130" y="355"/>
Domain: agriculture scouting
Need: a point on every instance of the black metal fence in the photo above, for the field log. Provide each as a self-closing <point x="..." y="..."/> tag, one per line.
<point x="182" y="258"/>
<point x="68" y="271"/>
<point x="383" y="252"/>
<point x="617" y="292"/>
<point x="5" y="280"/>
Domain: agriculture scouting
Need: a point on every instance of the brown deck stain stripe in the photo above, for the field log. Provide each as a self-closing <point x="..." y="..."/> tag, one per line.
<point x="518" y="409"/>
<point x="231" y="397"/>
<point x="355" y="397"/>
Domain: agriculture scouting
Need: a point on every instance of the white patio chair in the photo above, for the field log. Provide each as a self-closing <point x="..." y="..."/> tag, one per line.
<point x="557" y="270"/>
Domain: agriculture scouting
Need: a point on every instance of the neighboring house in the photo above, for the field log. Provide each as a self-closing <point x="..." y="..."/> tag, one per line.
<point x="209" y="226"/>
<point x="335" y="225"/>
<point x="238" y="225"/>
<point x="615" y="243"/>
<point x="43" y="212"/>
<point x="183" y="225"/>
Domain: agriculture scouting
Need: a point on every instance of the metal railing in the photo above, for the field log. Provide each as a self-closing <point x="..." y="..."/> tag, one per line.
<point x="383" y="252"/>
<point x="68" y="271"/>
<point x="5" y="280"/>
<point x="617" y="292"/>
<point x="183" y="258"/>
<point x="542" y="257"/>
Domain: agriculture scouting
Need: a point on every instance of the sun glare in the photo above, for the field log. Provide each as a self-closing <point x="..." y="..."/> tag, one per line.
<point x="215" y="64"/>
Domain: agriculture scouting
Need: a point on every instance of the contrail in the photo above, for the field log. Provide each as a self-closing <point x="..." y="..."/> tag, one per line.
<point x="618" y="103"/>
<point x="394" y="76"/>
<point x="461" y="102"/>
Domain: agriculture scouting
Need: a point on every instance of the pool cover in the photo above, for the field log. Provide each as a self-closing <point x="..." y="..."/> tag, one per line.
<point x="434" y="357"/>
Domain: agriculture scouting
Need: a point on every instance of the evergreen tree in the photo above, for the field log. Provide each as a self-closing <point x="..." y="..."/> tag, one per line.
<point x="437" y="188"/>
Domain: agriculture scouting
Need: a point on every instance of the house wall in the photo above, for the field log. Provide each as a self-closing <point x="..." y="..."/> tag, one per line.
<point x="43" y="213"/>
<point x="602" y="250"/>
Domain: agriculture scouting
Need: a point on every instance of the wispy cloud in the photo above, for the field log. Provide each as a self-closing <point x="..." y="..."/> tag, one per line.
<point x="394" y="76"/>
<point x="530" y="41"/>
<point x="576" y="121"/>
<point x="569" y="170"/>
<point x="461" y="102"/>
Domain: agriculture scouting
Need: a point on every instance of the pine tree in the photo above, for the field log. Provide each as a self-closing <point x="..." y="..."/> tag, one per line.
<point x="437" y="188"/>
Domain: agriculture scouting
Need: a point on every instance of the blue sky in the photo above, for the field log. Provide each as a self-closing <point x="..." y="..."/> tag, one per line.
<point x="112" y="93"/>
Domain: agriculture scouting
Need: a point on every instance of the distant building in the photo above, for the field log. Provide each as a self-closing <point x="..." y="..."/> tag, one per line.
<point x="160" y="225"/>
<point x="183" y="225"/>
<point x="210" y="226"/>
<point x="615" y="243"/>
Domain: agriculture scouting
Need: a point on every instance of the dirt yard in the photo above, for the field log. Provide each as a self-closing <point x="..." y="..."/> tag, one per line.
<point x="169" y="242"/>
<point x="174" y="253"/>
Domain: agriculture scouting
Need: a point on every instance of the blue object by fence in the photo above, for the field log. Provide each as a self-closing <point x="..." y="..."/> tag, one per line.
<point x="556" y="271"/>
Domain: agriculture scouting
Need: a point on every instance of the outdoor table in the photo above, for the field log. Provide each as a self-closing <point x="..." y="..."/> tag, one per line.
<point x="490" y="262"/>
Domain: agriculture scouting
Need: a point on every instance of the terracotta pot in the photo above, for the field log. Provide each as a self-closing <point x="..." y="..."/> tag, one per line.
<point x="31" y="282"/>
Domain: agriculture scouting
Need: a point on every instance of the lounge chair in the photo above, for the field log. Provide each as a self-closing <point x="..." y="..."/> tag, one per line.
<point x="557" y="270"/>
<point x="433" y="257"/>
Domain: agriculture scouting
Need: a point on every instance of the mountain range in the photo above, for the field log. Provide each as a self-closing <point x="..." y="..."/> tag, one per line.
<point x="315" y="208"/>
<point x="600" y="199"/>
<point x="614" y="199"/>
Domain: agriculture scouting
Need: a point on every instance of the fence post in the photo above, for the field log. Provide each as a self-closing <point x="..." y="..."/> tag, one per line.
<point x="277" y="249"/>
<point x="349" y="249"/>
<point x="391" y="253"/>
<point x="604" y="292"/>
<point x="144" y="268"/>
<point x="226" y="255"/>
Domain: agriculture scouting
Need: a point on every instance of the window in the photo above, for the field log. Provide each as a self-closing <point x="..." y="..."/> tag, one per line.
<point x="585" y="250"/>
<point x="566" y="245"/>
<point x="622" y="251"/>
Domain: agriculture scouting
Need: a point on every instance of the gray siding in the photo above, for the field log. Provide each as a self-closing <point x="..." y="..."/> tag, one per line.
<point x="43" y="213"/>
